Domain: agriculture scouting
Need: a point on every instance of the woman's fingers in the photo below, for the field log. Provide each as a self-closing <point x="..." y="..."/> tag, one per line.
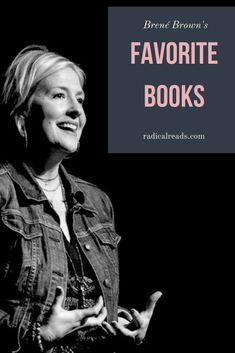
<point x="96" y="320"/>
<point x="59" y="297"/>
<point x="123" y="330"/>
<point x="152" y="302"/>
<point x="99" y="305"/>
<point x="137" y="319"/>
<point x="123" y="322"/>
<point x="88" y="321"/>
<point x="125" y="314"/>
<point x="92" y="311"/>
<point x="108" y="328"/>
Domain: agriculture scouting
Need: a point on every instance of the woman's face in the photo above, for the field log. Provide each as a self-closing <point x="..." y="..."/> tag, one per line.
<point x="57" y="111"/>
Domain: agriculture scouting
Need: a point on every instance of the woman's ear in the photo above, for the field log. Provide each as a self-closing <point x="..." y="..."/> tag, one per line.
<point x="20" y="124"/>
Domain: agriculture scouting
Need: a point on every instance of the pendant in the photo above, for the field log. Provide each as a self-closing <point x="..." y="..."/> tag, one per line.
<point x="82" y="290"/>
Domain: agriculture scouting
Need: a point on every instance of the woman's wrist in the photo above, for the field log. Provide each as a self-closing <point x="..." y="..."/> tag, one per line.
<point x="41" y="338"/>
<point x="46" y="334"/>
<point x="48" y="341"/>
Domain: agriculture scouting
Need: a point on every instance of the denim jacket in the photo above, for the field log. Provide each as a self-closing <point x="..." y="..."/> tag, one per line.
<point x="33" y="260"/>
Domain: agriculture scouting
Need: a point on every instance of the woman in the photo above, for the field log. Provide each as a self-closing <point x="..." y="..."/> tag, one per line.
<point x="59" y="261"/>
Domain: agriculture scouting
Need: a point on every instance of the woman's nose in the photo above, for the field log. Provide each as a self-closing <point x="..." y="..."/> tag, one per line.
<point x="73" y="113"/>
<point x="75" y="109"/>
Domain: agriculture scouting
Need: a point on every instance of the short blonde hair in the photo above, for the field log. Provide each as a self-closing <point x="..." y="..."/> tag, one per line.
<point x="30" y="66"/>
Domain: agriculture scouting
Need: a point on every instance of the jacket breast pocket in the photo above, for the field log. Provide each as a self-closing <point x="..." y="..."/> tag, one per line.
<point x="108" y="241"/>
<point x="16" y="222"/>
<point x="21" y="261"/>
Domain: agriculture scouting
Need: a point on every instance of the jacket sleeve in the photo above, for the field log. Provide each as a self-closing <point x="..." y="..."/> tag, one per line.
<point x="9" y="318"/>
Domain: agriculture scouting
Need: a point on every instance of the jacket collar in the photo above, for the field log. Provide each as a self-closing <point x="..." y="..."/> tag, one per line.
<point x="22" y="175"/>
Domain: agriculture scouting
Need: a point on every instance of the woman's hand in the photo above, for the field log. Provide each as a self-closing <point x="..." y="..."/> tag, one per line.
<point x="136" y="328"/>
<point x="62" y="322"/>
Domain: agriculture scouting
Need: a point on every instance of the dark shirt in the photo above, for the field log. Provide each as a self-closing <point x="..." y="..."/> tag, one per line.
<point x="82" y="292"/>
<point x="83" y="289"/>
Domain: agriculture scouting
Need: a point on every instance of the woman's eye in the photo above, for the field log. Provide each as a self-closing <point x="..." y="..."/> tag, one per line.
<point x="59" y="95"/>
<point x="80" y="100"/>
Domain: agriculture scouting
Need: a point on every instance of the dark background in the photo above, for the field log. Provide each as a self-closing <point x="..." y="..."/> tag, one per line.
<point x="175" y="212"/>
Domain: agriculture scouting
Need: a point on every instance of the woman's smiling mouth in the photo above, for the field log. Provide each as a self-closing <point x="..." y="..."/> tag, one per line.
<point x="68" y="126"/>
